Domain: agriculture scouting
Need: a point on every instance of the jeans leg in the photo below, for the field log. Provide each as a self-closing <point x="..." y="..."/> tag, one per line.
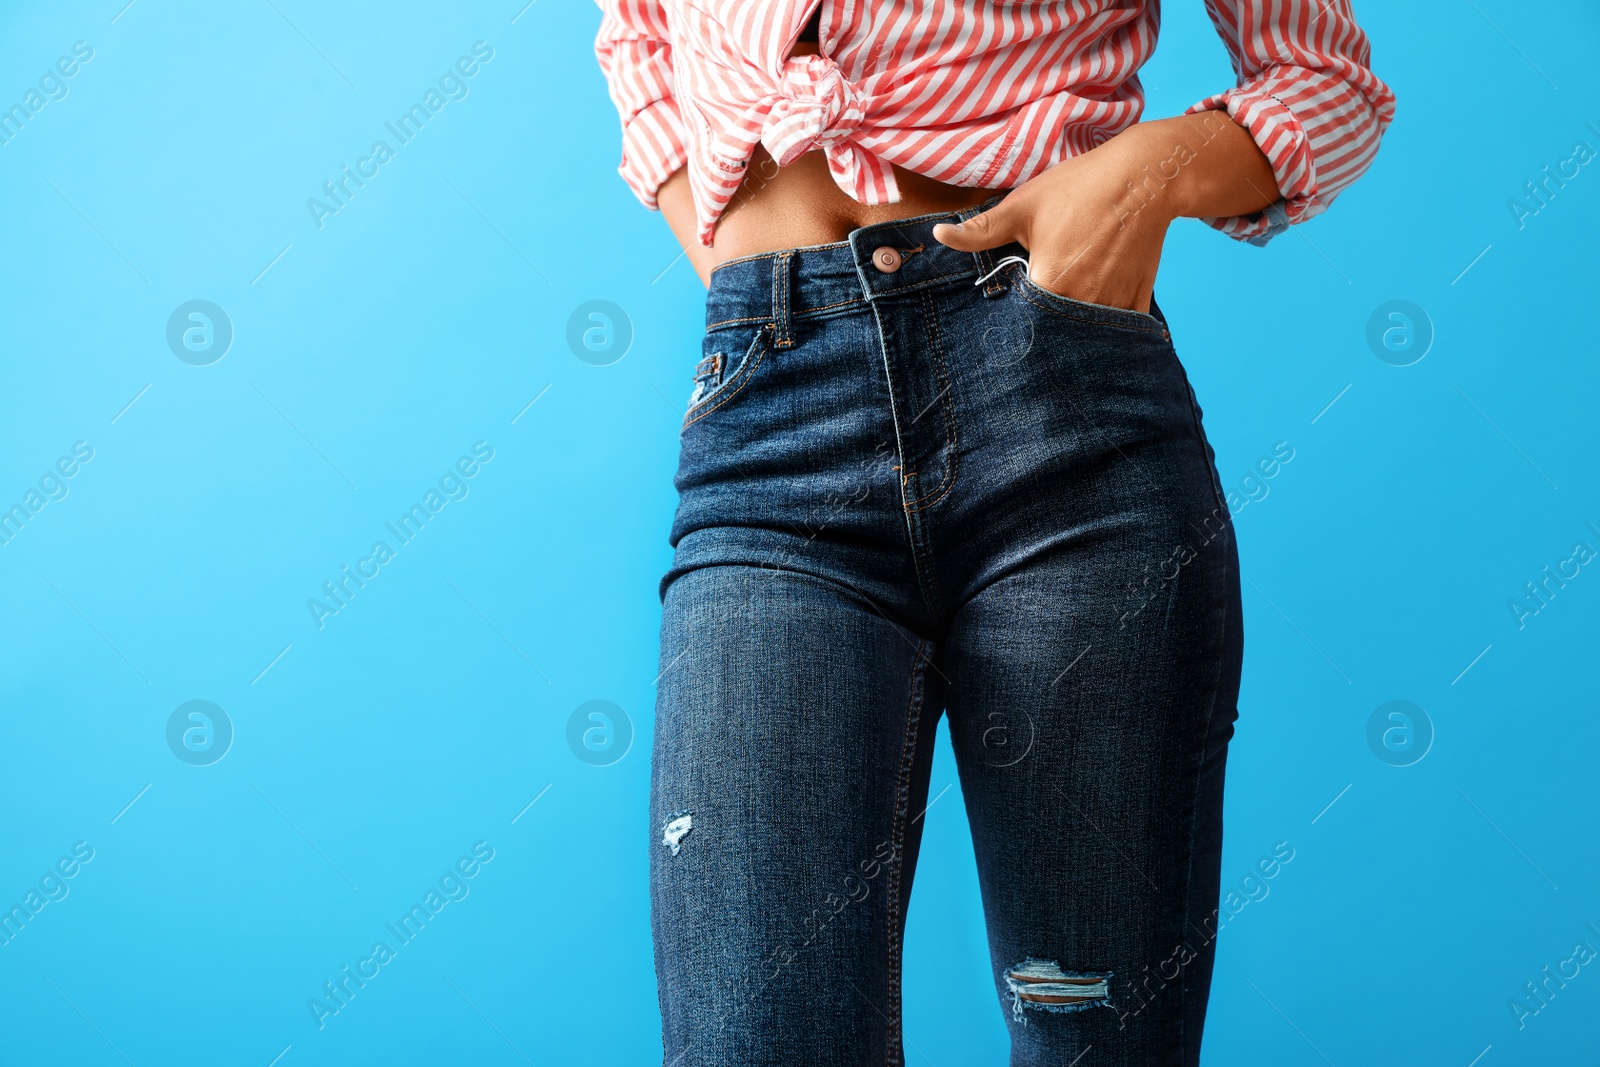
<point x="793" y="743"/>
<point x="1091" y="748"/>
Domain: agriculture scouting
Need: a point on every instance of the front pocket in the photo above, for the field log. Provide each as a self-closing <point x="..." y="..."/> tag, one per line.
<point x="1105" y="314"/>
<point x="707" y="377"/>
<point x="720" y="377"/>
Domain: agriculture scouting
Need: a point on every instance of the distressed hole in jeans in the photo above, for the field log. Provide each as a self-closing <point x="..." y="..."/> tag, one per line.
<point x="675" y="829"/>
<point x="1043" y="985"/>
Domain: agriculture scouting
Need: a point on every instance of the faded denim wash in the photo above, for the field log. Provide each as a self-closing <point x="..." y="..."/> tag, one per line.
<point x="938" y="489"/>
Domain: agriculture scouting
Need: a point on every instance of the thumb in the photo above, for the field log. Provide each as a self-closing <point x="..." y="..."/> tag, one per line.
<point x="991" y="229"/>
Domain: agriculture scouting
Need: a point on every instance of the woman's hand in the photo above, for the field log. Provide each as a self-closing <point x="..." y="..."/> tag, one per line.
<point x="1094" y="224"/>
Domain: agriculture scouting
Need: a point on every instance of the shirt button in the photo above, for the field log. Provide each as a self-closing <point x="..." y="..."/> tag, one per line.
<point x="886" y="259"/>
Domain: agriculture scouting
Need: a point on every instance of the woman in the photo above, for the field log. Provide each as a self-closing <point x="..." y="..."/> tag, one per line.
<point x="941" y="457"/>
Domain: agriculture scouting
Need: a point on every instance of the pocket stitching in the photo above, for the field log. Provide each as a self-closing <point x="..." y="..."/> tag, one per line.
<point x="745" y="371"/>
<point x="1154" y="325"/>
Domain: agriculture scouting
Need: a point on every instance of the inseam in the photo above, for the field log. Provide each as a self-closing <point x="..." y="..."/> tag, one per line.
<point x="895" y="1055"/>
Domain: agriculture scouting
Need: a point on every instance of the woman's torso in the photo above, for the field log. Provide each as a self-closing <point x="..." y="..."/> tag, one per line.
<point x="801" y="204"/>
<point x="889" y="111"/>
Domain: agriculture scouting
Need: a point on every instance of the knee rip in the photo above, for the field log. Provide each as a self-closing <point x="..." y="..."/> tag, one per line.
<point x="675" y="829"/>
<point x="1044" y="986"/>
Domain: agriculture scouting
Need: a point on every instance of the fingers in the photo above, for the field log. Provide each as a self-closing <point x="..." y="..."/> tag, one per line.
<point x="997" y="226"/>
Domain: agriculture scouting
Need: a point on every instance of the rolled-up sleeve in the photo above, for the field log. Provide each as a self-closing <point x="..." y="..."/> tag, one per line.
<point x="635" y="54"/>
<point x="1308" y="96"/>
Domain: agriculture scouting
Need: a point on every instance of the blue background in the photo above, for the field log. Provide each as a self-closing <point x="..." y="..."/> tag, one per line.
<point x="431" y="310"/>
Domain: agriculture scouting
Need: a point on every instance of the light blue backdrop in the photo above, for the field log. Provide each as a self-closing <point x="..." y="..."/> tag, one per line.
<point x="428" y="315"/>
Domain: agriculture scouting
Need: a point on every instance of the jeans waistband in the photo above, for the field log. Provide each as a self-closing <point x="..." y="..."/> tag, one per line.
<point x="875" y="262"/>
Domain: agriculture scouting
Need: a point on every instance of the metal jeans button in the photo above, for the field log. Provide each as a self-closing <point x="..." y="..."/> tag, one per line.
<point x="886" y="259"/>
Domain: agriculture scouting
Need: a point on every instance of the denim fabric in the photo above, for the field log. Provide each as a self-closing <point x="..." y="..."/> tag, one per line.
<point x="917" y="492"/>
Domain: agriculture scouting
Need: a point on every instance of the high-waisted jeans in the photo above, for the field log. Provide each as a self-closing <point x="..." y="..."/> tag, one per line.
<point x="912" y="481"/>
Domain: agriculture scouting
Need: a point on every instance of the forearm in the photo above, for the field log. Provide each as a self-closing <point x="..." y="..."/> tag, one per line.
<point x="1202" y="165"/>
<point x="1117" y="200"/>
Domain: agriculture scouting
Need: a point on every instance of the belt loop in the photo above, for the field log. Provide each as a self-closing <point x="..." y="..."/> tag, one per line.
<point x="782" y="267"/>
<point x="995" y="286"/>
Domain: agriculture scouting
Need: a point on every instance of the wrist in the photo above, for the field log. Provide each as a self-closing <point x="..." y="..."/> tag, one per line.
<point x="1198" y="165"/>
<point x="1150" y="181"/>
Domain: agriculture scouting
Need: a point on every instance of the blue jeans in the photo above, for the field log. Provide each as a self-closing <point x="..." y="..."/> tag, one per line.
<point x="912" y="481"/>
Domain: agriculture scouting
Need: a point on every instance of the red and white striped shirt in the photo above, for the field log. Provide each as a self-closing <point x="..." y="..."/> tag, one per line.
<point x="979" y="93"/>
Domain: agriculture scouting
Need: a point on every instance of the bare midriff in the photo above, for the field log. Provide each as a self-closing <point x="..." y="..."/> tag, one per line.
<point x="798" y="205"/>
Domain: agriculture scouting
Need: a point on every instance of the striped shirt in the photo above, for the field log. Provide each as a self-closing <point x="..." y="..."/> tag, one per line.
<point x="979" y="93"/>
